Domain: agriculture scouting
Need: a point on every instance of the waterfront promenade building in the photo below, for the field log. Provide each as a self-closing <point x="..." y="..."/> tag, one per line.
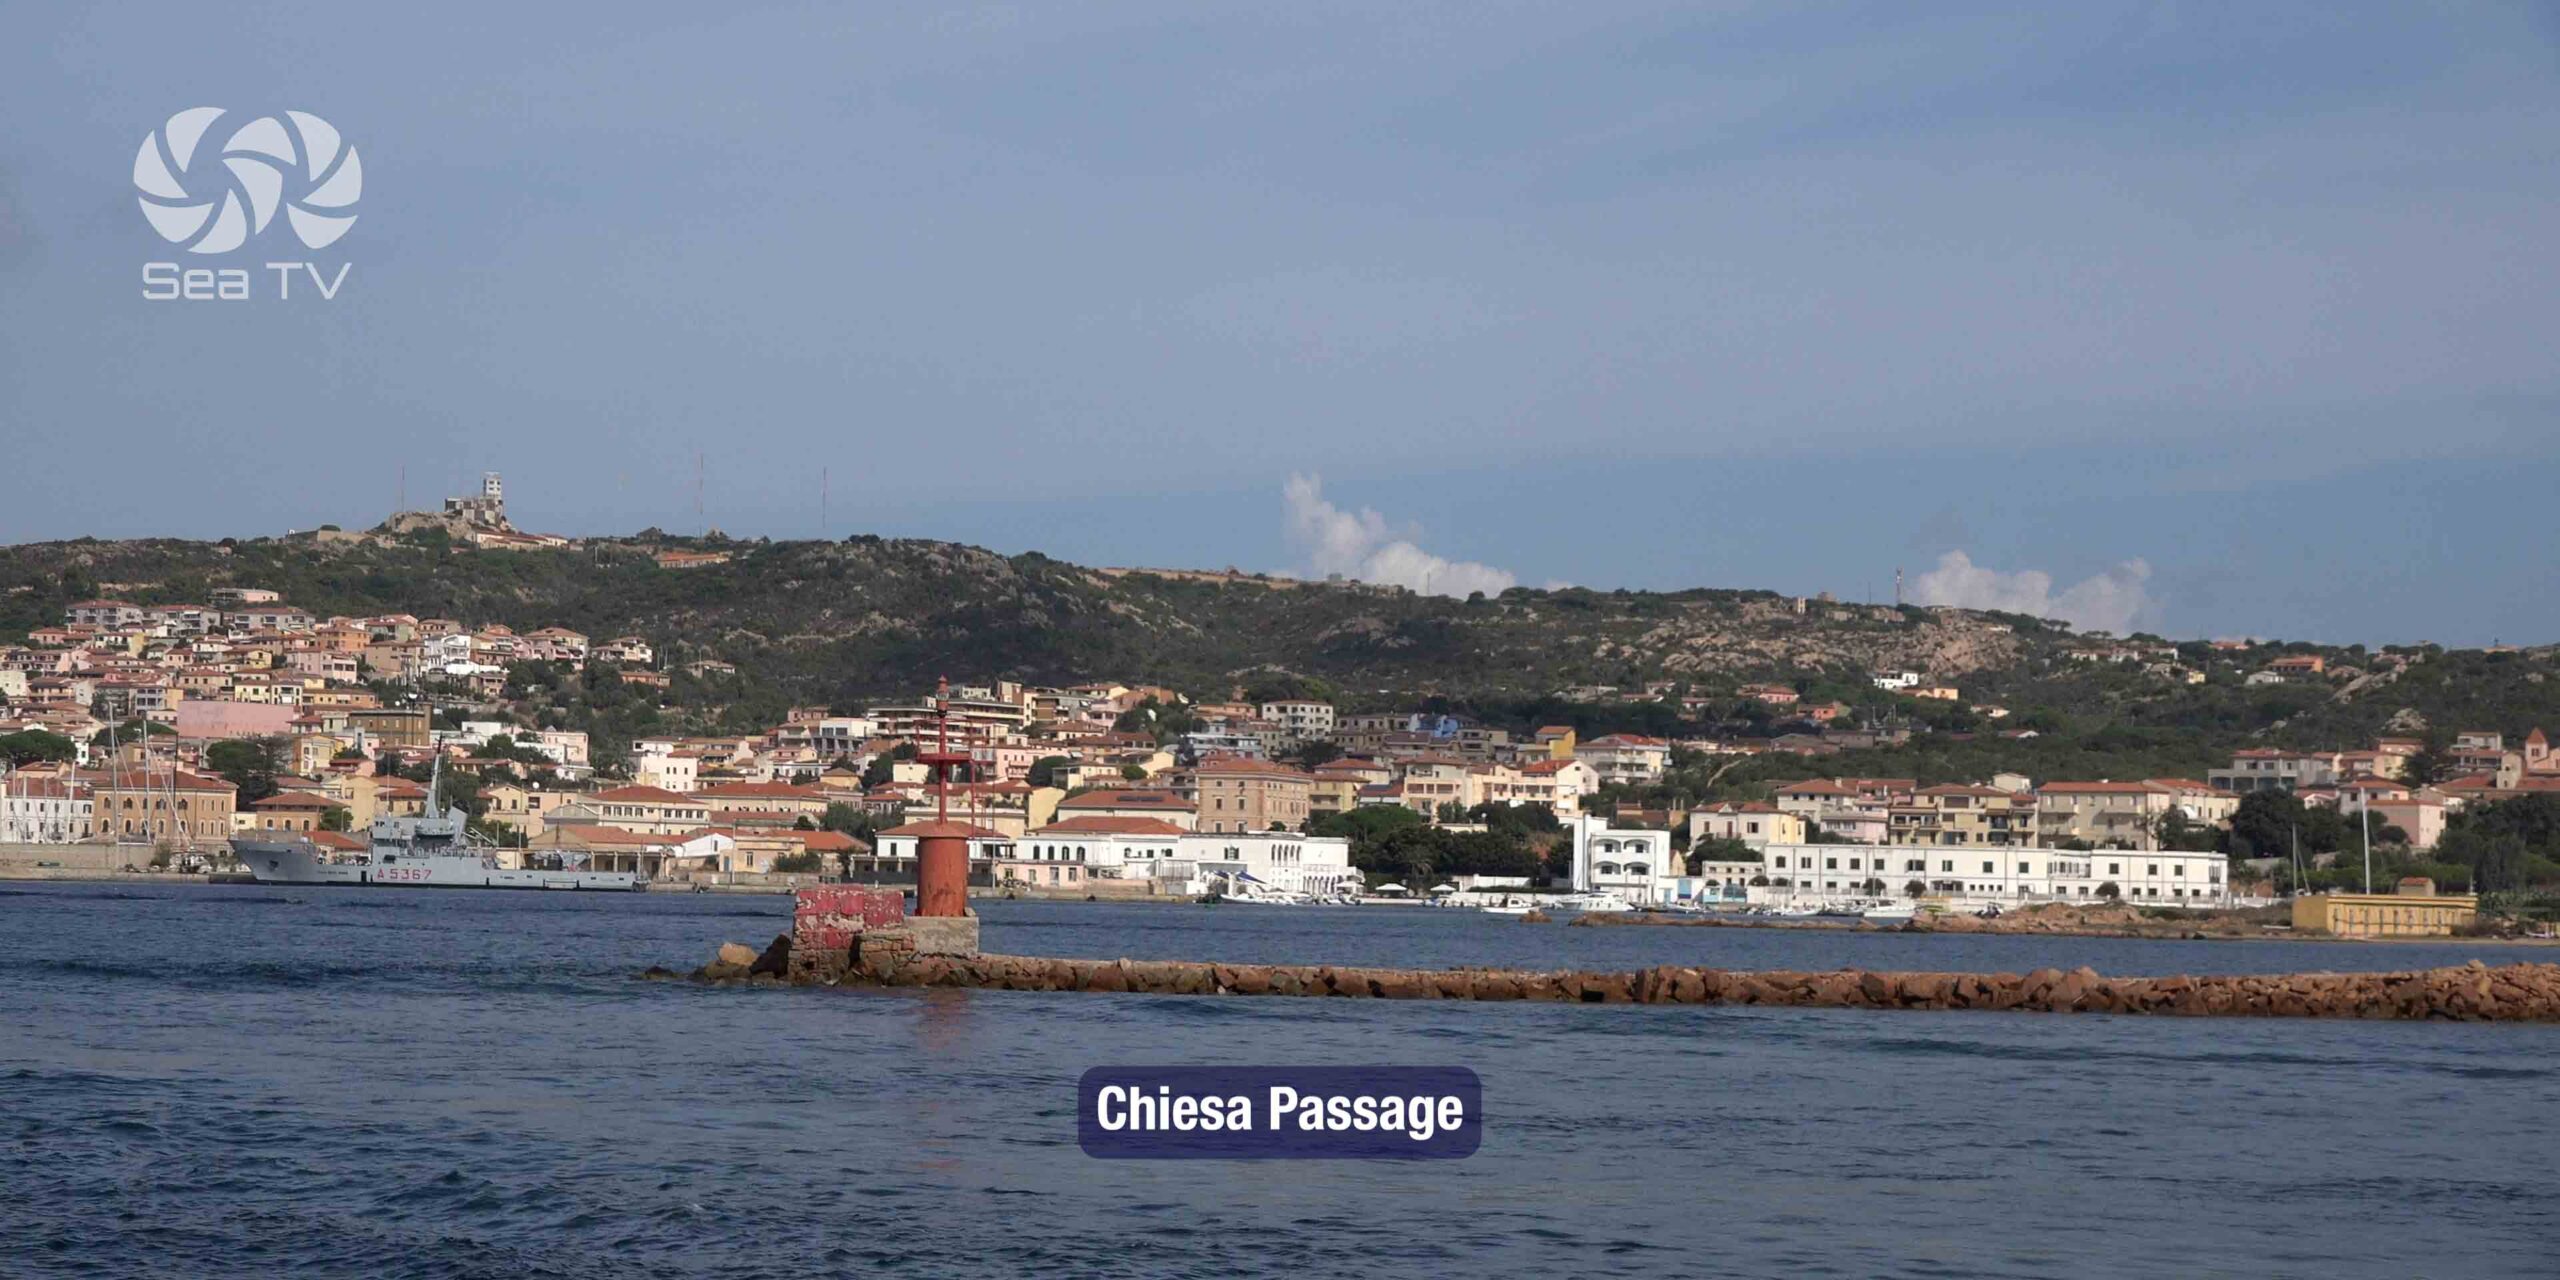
<point x="1318" y="866"/>
<point x="1998" y="874"/>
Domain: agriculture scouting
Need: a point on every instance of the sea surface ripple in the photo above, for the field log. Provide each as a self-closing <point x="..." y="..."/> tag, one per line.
<point x="234" y="1081"/>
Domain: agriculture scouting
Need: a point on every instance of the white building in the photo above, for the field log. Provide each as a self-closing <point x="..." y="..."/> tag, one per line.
<point x="1108" y="847"/>
<point x="1995" y="874"/>
<point x="1898" y="680"/>
<point x="1229" y="738"/>
<point x="566" y="747"/>
<point x="1302" y="720"/>
<point x="842" y="735"/>
<point x="661" y="763"/>
<point x="44" y="811"/>
<point x="1316" y="865"/>
<point x="1636" y="865"/>
<point x="1630" y="758"/>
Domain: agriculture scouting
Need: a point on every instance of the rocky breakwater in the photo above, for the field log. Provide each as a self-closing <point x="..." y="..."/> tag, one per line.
<point x="861" y="938"/>
<point x="2523" y="992"/>
<point x="2511" y="993"/>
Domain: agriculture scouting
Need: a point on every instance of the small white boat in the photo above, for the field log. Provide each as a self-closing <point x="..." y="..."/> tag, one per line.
<point x="1595" y="901"/>
<point x="1888" y="913"/>
<point x="1508" y="909"/>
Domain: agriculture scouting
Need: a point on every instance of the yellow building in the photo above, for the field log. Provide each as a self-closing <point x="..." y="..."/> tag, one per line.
<point x="1963" y="815"/>
<point x="2416" y="910"/>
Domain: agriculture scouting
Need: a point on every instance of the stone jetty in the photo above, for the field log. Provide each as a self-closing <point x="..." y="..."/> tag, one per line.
<point x="861" y="938"/>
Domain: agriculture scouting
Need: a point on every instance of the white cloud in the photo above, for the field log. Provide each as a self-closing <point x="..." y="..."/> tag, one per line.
<point x="1361" y="545"/>
<point x="2112" y="601"/>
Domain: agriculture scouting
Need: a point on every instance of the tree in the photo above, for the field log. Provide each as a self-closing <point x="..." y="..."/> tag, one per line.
<point x="1314" y="752"/>
<point x="251" y="764"/>
<point x="846" y="819"/>
<point x="883" y="767"/>
<point x="2109" y="891"/>
<point x="336" y="817"/>
<point x="803" y="863"/>
<point x="31" y="746"/>
<point x="2264" y="824"/>
<point x="1718" y="851"/>
<point x="1914" y="889"/>
<point x="459" y="792"/>
<point x="2172" y="830"/>
<point x="1516" y="819"/>
<point x="804" y="823"/>
<point x="2430" y="763"/>
<point x="1370" y="828"/>
<point x="1132" y="773"/>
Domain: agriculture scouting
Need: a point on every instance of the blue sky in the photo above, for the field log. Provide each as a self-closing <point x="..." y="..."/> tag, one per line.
<point x="2225" y="319"/>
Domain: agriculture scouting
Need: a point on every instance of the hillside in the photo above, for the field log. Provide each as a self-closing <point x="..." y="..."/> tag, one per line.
<point x="846" y="622"/>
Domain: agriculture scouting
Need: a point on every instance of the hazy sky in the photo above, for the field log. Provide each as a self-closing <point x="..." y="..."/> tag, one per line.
<point x="2213" y="318"/>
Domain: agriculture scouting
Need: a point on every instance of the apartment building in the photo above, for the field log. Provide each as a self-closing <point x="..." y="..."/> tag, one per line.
<point x="1238" y="795"/>
<point x="1300" y="719"/>
<point x="1956" y="814"/>
<point x="1626" y="758"/>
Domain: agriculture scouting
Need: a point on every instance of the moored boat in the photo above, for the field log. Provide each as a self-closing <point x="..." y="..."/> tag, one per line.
<point x="432" y="851"/>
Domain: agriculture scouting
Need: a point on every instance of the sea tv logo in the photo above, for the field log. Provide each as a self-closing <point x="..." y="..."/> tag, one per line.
<point x="213" y="198"/>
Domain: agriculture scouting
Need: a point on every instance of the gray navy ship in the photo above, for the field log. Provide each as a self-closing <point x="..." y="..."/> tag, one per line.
<point x="429" y="852"/>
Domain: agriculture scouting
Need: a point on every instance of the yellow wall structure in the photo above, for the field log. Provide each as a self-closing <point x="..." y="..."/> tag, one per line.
<point x="2383" y="915"/>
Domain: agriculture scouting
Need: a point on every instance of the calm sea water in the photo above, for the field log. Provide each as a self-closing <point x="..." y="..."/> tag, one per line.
<point x="249" y="1082"/>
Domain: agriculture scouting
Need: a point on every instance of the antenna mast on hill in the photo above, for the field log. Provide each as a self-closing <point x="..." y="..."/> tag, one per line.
<point x="1897" y="586"/>
<point x="697" y="493"/>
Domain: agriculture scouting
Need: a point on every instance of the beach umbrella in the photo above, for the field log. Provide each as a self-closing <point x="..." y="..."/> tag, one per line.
<point x="1444" y="888"/>
<point x="1393" y="888"/>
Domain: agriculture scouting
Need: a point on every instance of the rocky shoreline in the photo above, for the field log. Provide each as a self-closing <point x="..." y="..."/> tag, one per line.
<point x="2474" y="992"/>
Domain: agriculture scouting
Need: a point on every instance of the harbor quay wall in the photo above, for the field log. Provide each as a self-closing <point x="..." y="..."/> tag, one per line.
<point x="2521" y="992"/>
<point x="91" y="858"/>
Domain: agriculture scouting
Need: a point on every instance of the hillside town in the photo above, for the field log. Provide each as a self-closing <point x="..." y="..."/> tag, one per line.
<point x="163" y="730"/>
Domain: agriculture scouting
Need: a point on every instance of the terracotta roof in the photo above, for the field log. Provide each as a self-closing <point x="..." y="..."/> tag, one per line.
<point x="1243" y="765"/>
<point x="157" y="778"/>
<point x="1103" y="824"/>
<point x="923" y="829"/>
<point x="643" y="795"/>
<point x="590" y="833"/>
<point x="294" y="800"/>
<point x="1815" y="786"/>
<point x="1125" y="800"/>
<point x="761" y="791"/>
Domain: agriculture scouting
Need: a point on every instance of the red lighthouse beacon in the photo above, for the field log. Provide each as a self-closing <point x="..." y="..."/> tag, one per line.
<point x="942" y="846"/>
